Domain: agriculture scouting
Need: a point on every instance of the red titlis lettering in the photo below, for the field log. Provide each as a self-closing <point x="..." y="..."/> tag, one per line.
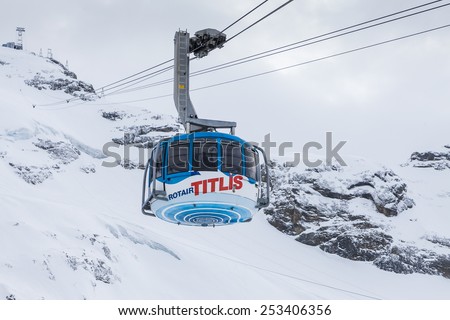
<point x="217" y="184"/>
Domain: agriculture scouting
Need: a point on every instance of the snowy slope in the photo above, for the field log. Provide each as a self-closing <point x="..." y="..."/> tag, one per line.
<point x="71" y="228"/>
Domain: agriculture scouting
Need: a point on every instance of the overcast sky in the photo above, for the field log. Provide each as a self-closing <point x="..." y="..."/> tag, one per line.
<point x="385" y="101"/>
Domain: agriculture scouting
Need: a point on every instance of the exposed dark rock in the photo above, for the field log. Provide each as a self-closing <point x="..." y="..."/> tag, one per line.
<point x="362" y="225"/>
<point x="289" y="221"/>
<point x="445" y="242"/>
<point x="442" y="265"/>
<point x="145" y="142"/>
<point x="144" y="129"/>
<point x="107" y="252"/>
<point x="137" y="135"/>
<point x="61" y="151"/>
<point x="329" y="193"/>
<point x="88" y="169"/>
<point x="413" y="260"/>
<point x="97" y="267"/>
<point x="360" y="246"/>
<point x="63" y="67"/>
<point x="360" y="241"/>
<point x="10" y="297"/>
<point x="32" y="174"/>
<point x="430" y="156"/>
<point x="324" y="168"/>
<point x="73" y="87"/>
<point x="130" y="165"/>
<point x="431" y="159"/>
<point x="46" y="265"/>
<point x="70" y="86"/>
<point x="70" y="74"/>
<point x="385" y="189"/>
<point x="320" y="236"/>
<point x="113" y="115"/>
<point x="353" y="217"/>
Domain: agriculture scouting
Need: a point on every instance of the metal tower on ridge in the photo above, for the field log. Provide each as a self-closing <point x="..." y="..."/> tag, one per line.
<point x="200" y="45"/>
<point x="20" y="31"/>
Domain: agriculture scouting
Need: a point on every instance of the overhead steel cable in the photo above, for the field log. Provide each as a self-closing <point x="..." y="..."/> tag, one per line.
<point x="304" y="43"/>
<point x="313" y="38"/>
<point x="253" y="57"/>
<point x="140" y="79"/>
<point x="132" y="89"/>
<point x="136" y="74"/>
<point x="299" y="64"/>
<point x="259" y="20"/>
<point x="325" y="58"/>
<point x="259" y="5"/>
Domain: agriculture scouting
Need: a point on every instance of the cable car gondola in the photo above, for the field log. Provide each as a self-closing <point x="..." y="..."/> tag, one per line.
<point x="203" y="177"/>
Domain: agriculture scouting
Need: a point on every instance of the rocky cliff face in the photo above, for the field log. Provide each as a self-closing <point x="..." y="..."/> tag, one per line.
<point x="65" y="81"/>
<point x="347" y="211"/>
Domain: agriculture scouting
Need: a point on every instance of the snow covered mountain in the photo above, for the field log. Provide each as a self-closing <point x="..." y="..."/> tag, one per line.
<point x="71" y="226"/>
